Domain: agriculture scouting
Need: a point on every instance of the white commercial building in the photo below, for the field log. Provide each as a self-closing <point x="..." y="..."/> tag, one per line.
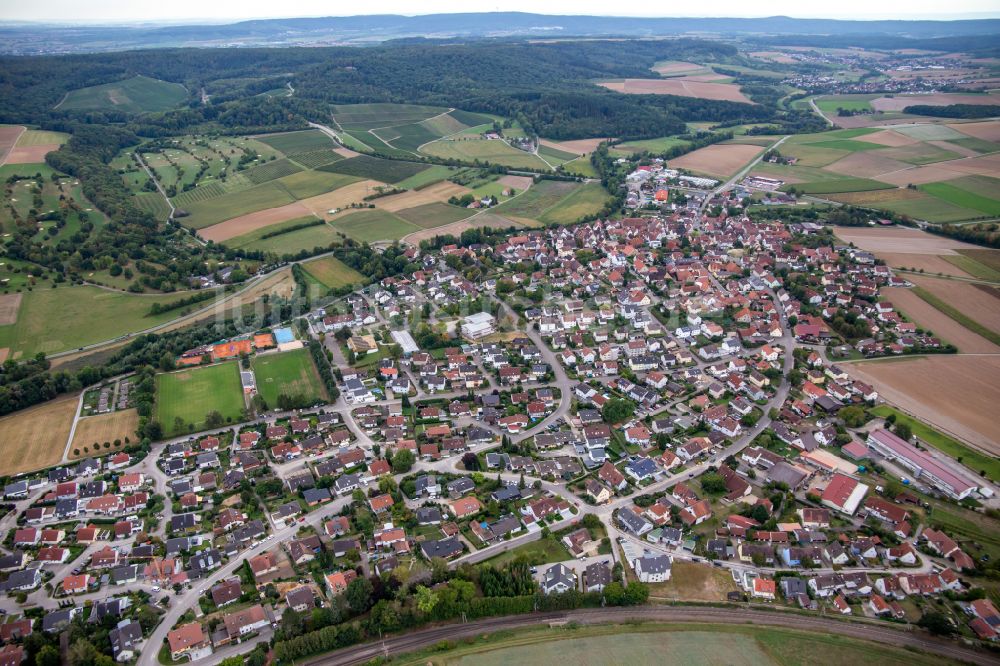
<point x="479" y="325"/>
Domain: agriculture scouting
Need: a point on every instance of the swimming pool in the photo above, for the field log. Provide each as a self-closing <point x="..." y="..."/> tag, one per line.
<point x="283" y="335"/>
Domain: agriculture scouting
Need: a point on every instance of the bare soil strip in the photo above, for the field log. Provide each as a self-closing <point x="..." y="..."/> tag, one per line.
<point x="900" y="240"/>
<point x="981" y="303"/>
<point x="30" y="154"/>
<point x="930" y="263"/>
<point x="9" y="304"/>
<point x="8" y="137"/>
<point x="680" y="86"/>
<point x="438" y="192"/>
<point x="941" y="325"/>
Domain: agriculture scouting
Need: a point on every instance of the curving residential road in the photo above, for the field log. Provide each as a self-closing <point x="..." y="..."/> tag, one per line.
<point x="869" y="630"/>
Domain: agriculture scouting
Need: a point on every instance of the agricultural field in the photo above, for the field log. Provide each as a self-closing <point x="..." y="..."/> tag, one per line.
<point x="682" y="87"/>
<point x="297" y="143"/>
<point x="554" y="201"/>
<point x="287" y="373"/>
<point x="428" y="177"/>
<point x="432" y="215"/>
<point x="185" y="397"/>
<point x="97" y="314"/>
<point x="658" y="145"/>
<point x="876" y="167"/>
<point x="928" y="316"/>
<point x="94" y="431"/>
<point x="287" y="242"/>
<point x="830" y="105"/>
<point x="32" y="146"/>
<point x="369" y="226"/>
<point x="332" y="273"/>
<point x="228" y="206"/>
<point x="36" y="437"/>
<point x="492" y="151"/>
<point x="375" y="168"/>
<point x="957" y="395"/>
<point x="140" y="94"/>
<point x="718" y="160"/>
<point x="401" y="129"/>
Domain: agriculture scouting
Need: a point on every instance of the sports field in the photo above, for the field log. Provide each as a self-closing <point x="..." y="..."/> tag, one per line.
<point x="332" y="272"/>
<point x="189" y="395"/>
<point x="368" y="226"/>
<point x="139" y="94"/>
<point x="287" y="373"/>
<point x="36" y="437"/>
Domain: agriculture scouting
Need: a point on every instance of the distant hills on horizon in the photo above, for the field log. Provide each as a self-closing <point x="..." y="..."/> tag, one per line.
<point x="26" y="38"/>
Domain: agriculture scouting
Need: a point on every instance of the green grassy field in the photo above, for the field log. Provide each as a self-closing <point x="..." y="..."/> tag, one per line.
<point x="840" y="185"/>
<point x="386" y="171"/>
<point x="291" y="242"/>
<point x="33" y="137"/>
<point x="972" y="267"/>
<point x="581" y="166"/>
<point x="273" y="170"/>
<point x="960" y="196"/>
<point x="584" y="200"/>
<point x="657" y="643"/>
<point x="846" y="102"/>
<point x="434" y="214"/>
<point x="556" y="156"/>
<point x="368" y="226"/>
<point x="191" y="394"/>
<point x="485" y="150"/>
<point x="542" y="551"/>
<point x="289" y="373"/>
<point x="970" y="457"/>
<point x="294" y="143"/>
<point x="153" y="202"/>
<point x="96" y="315"/>
<point x="849" y="145"/>
<point x="427" y="177"/>
<point x="139" y="94"/>
<point x="368" y="116"/>
<point x="332" y="273"/>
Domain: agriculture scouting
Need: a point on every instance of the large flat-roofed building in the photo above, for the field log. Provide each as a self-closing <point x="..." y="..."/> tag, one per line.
<point x="479" y="325"/>
<point x="920" y="463"/>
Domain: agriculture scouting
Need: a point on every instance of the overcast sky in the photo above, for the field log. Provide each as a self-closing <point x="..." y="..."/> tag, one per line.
<point x="96" y="11"/>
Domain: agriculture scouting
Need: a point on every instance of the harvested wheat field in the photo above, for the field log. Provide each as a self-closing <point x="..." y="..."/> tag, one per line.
<point x="957" y="394"/>
<point x="863" y="164"/>
<point x="900" y="102"/>
<point x="722" y="160"/>
<point x="436" y="193"/>
<point x="889" y="138"/>
<point x="519" y="183"/>
<point x="875" y="197"/>
<point x="8" y="137"/>
<point x="919" y="175"/>
<point x="244" y="224"/>
<point x="929" y="263"/>
<point x="340" y="198"/>
<point x="9" y="304"/>
<point x="681" y="87"/>
<point x="926" y="316"/>
<point x="577" y="147"/>
<point x="981" y="303"/>
<point x="36" y="437"/>
<point x="103" y="428"/>
<point x="900" y="239"/>
<point x="30" y="154"/>
<point x="346" y="152"/>
<point x="988" y="131"/>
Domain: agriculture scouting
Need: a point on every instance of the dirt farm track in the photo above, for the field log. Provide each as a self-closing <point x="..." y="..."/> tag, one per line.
<point x="956" y="393"/>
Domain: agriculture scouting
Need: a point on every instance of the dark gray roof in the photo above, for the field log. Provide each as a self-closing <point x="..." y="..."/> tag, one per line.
<point x="441" y="548"/>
